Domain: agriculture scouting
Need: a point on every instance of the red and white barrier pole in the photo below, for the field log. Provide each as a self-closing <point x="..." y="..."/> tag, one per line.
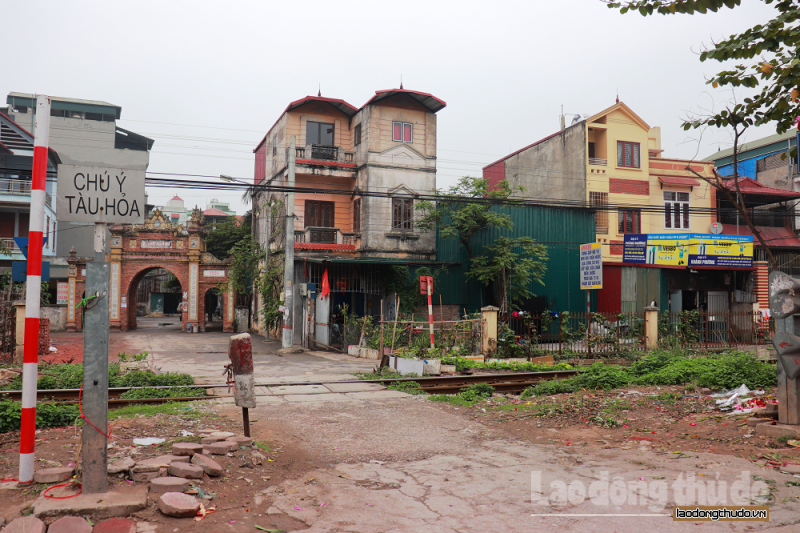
<point x="30" y="359"/>
<point x="430" y="308"/>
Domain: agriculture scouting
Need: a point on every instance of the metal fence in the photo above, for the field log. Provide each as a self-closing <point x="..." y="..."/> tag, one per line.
<point x="708" y="329"/>
<point x="590" y="334"/>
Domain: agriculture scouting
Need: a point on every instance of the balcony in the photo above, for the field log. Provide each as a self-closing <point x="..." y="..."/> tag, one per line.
<point x="22" y="189"/>
<point x="598" y="162"/>
<point x="324" y="238"/>
<point x="316" y="152"/>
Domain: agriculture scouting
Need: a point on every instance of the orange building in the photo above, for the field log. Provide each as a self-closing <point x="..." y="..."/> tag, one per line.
<point x="358" y="172"/>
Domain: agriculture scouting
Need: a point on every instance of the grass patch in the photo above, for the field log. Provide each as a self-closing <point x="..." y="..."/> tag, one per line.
<point x="70" y="376"/>
<point x="48" y="414"/>
<point x="452" y="399"/>
<point x="617" y="404"/>
<point x="267" y="447"/>
<point x="462" y="364"/>
<point x="662" y="367"/>
<point x="172" y="392"/>
<point x="409" y="387"/>
<point x="387" y="373"/>
<point x="467" y="397"/>
<point x="170" y="408"/>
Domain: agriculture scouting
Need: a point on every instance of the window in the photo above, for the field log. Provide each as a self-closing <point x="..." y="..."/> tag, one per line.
<point x="402" y="214"/>
<point x="627" y="154"/>
<point x="357" y="215"/>
<point x="319" y="214"/>
<point x="591" y="151"/>
<point x="357" y="135"/>
<point x="319" y="133"/>
<point x="600" y="200"/>
<point x="275" y="145"/>
<point x="630" y="221"/>
<point x="402" y="132"/>
<point x="676" y="210"/>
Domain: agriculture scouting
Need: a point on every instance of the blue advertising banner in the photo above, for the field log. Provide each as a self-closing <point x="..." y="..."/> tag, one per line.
<point x="689" y="249"/>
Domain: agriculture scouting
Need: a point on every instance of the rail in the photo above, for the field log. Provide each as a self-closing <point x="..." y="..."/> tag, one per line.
<point x="597" y="161"/>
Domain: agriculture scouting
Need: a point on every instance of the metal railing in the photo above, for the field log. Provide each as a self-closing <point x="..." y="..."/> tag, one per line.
<point x="15" y="187"/>
<point x="716" y="329"/>
<point x="597" y="161"/>
<point x="324" y="153"/>
<point x="589" y="334"/>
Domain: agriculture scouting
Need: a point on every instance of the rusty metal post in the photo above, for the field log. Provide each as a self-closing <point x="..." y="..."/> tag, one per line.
<point x="240" y="352"/>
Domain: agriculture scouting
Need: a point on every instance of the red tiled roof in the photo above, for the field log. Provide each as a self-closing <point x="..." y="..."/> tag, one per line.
<point x="341" y="105"/>
<point x="428" y="100"/>
<point x="777" y="237"/>
<point x="317" y="162"/>
<point x="321" y="246"/>
<point x="176" y="197"/>
<point x="750" y="186"/>
<point x="688" y="182"/>
<point x="214" y="212"/>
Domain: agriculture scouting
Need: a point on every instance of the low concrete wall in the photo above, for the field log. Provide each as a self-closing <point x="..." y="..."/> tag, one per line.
<point x="57" y="315"/>
<point x="242" y="318"/>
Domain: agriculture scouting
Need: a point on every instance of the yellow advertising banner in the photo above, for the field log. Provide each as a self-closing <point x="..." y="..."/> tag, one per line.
<point x="689" y="249"/>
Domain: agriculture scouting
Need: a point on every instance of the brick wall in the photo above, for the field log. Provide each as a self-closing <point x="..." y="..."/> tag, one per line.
<point x="622" y="186"/>
<point x="616" y="247"/>
<point x="44" y="336"/>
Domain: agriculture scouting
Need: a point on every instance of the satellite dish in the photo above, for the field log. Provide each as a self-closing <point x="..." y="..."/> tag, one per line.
<point x="716" y="228"/>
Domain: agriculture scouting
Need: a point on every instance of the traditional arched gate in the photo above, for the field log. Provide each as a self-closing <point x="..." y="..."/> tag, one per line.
<point x="136" y="249"/>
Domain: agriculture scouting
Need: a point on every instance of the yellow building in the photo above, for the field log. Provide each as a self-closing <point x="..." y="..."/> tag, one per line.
<point x="613" y="160"/>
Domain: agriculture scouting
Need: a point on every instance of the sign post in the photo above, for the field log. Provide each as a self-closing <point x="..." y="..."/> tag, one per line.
<point x="426" y="287"/>
<point x="591" y="278"/>
<point x="100" y="195"/>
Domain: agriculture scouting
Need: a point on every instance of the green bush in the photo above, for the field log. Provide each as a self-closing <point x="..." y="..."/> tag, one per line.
<point x="47" y="415"/>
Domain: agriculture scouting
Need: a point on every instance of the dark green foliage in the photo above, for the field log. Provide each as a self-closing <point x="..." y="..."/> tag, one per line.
<point x="223" y="236"/>
<point x="47" y="415"/>
<point x="70" y="376"/>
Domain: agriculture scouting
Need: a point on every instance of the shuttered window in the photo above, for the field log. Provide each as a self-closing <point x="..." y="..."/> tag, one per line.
<point x="319" y="214"/>
<point x="600" y="200"/>
<point x="630" y="221"/>
<point x="676" y="210"/>
<point x="628" y="154"/>
<point x="402" y="214"/>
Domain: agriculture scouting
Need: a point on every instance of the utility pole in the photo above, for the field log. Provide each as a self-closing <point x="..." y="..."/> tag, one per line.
<point x="288" y="267"/>
<point x="30" y="358"/>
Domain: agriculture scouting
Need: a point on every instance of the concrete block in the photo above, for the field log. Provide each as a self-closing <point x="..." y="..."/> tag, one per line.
<point x="778" y="430"/>
<point x="115" y="525"/>
<point x="241" y="440"/>
<point x="121" y="465"/>
<point x="167" y="459"/>
<point x="211" y="440"/>
<point x="753" y="422"/>
<point x="57" y="474"/>
<point x="791" y="469"/>
<point x="298" y="389"/>
<point x="377" y="395"/>
<point x="26" y="524"/>
<point x="148" y="465"/>
<point x="223" y="434"/>
<point x="70" y="524"/>
<point x="185" y="470"/>
<point x="106" y="505"/>
<point x="209" y="465"/>
<point x="221" y="448"/>
<point x="169" y="484"/>
<point x="178" y="504"/>
<point x="186" y="448"/>
<point x="353" y="387"/>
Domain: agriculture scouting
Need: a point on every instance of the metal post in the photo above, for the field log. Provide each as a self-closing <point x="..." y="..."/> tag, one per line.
<point x="95" y="369"/>
<point x="288" y="268"/>
<point x="430" y="309"/>
<point x="30" y="360"/>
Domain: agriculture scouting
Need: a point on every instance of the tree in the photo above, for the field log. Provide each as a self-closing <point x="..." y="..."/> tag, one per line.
<point x="776" y="77"/>
<point x="512" y="264"/>
<point x="470" y="208"/>
<point x="465" y="209"/>
<point x="225" y="234"/>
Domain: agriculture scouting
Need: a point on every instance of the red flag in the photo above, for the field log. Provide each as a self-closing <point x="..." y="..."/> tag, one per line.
<point x="326" y="287"/>
<point x="305" y="267"/>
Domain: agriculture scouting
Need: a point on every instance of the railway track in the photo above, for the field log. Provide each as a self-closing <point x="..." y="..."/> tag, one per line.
<point x="511" y="382"/>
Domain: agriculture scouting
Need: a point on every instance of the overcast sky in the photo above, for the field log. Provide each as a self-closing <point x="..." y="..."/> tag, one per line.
<point x="206" y="79"/>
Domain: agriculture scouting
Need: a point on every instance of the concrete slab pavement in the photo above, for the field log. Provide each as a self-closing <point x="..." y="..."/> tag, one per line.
<point x="119" y="502"/>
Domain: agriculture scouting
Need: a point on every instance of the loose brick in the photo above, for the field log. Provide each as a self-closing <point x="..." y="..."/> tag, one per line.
<point x="115" y="525"/>
<point x="178" y="505"/>
<point x="121" y="465"/>
<point x="186" y="448"/>
<point x="167" y="459"/>
<point x="26" y="524"/>
<point x="53" y="475"/>
<point x="209" y="465"/>
<point x="169" y="484"/>
<point x="223" y="434"/>
<point x="70" y="524"/>
<point x="211" y="440"/>
<point x="241" y="440"/>
<point x="790" y="469"/>
<point x="221" y="448"/>
<point x="185" y="470"/>
<point x="146" y="466"/>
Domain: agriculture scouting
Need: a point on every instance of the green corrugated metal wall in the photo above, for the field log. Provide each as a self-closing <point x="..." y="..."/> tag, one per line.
<point x="561" y="230"/>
